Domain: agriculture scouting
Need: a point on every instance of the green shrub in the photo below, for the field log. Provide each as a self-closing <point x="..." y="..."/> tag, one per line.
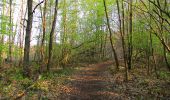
<point x="164" y="75"/>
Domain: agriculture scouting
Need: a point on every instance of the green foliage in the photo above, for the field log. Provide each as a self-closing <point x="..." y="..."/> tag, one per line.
<point x="41" y="85"/>
<point x="20" y="83"/>
<point x="5" y="25"/>
<point x="59" y="73"/>
<point x="18" y="74"/>
<point x="141" y="38"/>
<point x="164" y="75"/>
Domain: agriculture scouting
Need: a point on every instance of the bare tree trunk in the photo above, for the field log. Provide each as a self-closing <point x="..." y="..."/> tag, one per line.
<point x="104" y="47"/>
<point x="27" y="39"/>
<point x="64" y="37"/>
<point x="122" y="39"/>
<point x="152" y="50"/>
<point x="1" y="53"/>
<point x="21" y="35"/>
<point x="166" y="59"/>
<point x="162" y="31"/>
<point x="44" y="31"/>
<point x="10" y="44"/>
<point x="101" y="45"/>
<point x="41" y="58"/>
<point x="52" y="36"/>
<point x="129" y="61"/>
<point x="108" y="24"/>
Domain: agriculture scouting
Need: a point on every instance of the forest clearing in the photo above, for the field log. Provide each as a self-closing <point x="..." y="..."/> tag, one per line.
<point x="85" y="50"/>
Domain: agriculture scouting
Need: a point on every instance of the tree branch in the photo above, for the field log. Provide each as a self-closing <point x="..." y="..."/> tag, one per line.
<point x="37" y="6"/>
<point x="166" y="13"/>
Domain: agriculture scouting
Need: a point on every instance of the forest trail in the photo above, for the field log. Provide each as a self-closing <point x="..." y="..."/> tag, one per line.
<point x="90" y="83"/>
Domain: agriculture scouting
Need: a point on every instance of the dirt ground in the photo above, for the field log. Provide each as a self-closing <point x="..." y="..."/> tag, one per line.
<point x="98" y="82"/>
<point x="91" y="83"/>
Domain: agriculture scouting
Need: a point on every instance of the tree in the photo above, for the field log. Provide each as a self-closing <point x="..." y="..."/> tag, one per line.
<point x="130" y="51"/>
<point x="10" y="44"/>
<point x="27" y="39"/>
<point x="121" y="21"/>
<point x="44" y="30"/>
<point x="110" y="32"/>
<point x="52" y="36"/>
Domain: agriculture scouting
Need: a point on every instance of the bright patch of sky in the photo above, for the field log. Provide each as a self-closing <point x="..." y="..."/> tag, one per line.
<point x="36" y="19"/>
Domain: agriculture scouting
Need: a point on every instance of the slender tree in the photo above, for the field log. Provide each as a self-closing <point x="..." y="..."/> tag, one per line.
<point x="27" y="39"/>
<point x="52" y="36"/>
<point x="44" y="30"/>
<point x="122" y="38"/>
<point x="129" y="62"/>
<point x="10" y="44"/>
<point x="110" y="32"/>
<point x="64" y="35"/>
<point x="21" y="32"/>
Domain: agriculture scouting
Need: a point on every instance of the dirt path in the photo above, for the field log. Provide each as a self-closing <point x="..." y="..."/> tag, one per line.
<point x="91" y="83"/>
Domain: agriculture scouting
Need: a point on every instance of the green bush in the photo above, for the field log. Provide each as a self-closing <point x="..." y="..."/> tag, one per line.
<point x="164" y="75"/>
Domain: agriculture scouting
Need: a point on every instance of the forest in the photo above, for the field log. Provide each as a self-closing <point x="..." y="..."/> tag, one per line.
<point x="84" y="49"/>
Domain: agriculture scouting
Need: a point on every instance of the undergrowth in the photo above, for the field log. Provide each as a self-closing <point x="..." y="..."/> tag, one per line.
<point x="141" y="85"/>
<point x="12" y="82"/>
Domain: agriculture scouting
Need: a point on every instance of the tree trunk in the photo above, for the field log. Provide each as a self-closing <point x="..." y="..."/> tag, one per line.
<point x="122" y="38"/>
<point x="41" y="59"/>
<point x="20" y="37"/>
<point x="130" y="38"/>
<point x="64" y="36"/>
<point x="27" y="39"/>
<point x="52" y="36"/>
<point x="162" y="31"/>
<point x="44" y="31"/>
<point x="166" y="59"/>
<point x="10" y="44"/>
<point x="108" y="24"/>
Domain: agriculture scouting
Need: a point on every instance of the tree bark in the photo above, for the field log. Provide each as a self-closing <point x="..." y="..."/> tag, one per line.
<point x="52" y="36"/>
<point x="108" y="24"/>
<point x="161" y="32"/>
<point x="130" y="37"/>
<point x="20" y="37"/>
<point x="27" y="39"/>
<point x="122" y="38"/>
<point x="64" y="36"/>
<point x="10" y="44"/>
<point x="44" y="30"/>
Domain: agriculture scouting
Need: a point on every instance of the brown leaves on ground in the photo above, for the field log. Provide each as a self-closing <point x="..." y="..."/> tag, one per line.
<point x="90" y="83"/>
<point x="102" y="82"/>
<point x="140" y="85"/>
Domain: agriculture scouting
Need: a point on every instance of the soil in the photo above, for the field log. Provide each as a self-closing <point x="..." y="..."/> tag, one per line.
<point x="92" y="82"/>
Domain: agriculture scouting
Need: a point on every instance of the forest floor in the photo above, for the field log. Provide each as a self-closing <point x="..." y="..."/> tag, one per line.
<point x="90" y="83"/>
<point x="97" y="81"/>
<point x="100" y="82"/>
